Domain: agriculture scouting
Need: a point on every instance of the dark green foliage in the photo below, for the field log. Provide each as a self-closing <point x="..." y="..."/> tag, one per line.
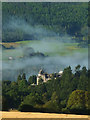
<point x="87" y="100"/>
<point x="32" y="99"/>
<point x="32" y="79"/>
<point x="22" y="86"/>
<point x="66" y="83"/>
<point x="29" y="52"/>
<point x="7" y="82"/>
<point x="30" y="103"/>
<point x="66" y="94"/>
<point x="76" y="99"/>
<point x="19" y="78"/>
<point x="37" y="54"/>
<point x="83" y="80"/>
<point x="77" y="68"/>
<point x="61" y="18"/>
<point x="53" y="104"/>
<point x="22" y="82"/>
<point x="45" y="97"/>
<point x="25" y="108"/>
<point x="89" y="13"/>
<point x="78" y="102"/>
<point x="5" y="104"/>
<point x="24" y="76"/>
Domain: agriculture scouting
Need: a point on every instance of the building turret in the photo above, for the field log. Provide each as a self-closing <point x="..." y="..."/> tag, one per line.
<point x="41" y="72"/>
<point x="61" y="72"/>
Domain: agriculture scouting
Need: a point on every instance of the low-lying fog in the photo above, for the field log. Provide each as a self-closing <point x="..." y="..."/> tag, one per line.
<point x="57" y="56"/>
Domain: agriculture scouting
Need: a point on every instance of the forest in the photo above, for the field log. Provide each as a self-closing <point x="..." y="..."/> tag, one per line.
<point x="66" y="94"/>
<point x="61" y="18"/>
<point x="27" y="24"/>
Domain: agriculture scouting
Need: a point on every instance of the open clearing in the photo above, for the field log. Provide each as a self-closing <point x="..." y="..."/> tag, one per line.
<point x="48" y="48"/>
<point x="17" y="114"/>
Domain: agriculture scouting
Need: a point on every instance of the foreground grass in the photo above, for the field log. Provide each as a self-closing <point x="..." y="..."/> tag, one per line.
<point x="17" y="114"/>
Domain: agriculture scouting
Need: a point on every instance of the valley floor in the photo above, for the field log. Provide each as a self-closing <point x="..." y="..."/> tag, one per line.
<point x="16" y="114"/>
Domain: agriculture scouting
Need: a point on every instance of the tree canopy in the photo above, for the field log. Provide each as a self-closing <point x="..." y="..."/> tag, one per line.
<point x="61" y="18"/>
<point x="66" y="94"/>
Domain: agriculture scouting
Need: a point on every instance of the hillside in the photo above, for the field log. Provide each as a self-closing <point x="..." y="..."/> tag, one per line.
<point x="25" y="21"/>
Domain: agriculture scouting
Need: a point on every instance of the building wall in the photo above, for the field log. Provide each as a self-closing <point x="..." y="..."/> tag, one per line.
<point x="46" y="79"/>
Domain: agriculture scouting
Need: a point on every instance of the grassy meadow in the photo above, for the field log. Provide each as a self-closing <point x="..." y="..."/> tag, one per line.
<point x="48" y="48"/>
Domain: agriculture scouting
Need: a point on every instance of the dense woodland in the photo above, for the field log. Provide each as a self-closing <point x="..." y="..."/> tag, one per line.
<point x="61" y="18"/>
<point x="67" y="94"/>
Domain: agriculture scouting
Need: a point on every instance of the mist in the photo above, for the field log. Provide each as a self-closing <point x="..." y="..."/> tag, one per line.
<point x="49" y="43"/>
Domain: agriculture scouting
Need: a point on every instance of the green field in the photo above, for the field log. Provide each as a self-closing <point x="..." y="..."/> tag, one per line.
<point x="48" y="48"/>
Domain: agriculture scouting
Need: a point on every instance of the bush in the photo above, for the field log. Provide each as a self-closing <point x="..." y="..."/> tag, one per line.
<point x="51" y="106"/>
<point x="5" y="105"/>
<point x="78" y="102"/>
<point x="25" y="108"/>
